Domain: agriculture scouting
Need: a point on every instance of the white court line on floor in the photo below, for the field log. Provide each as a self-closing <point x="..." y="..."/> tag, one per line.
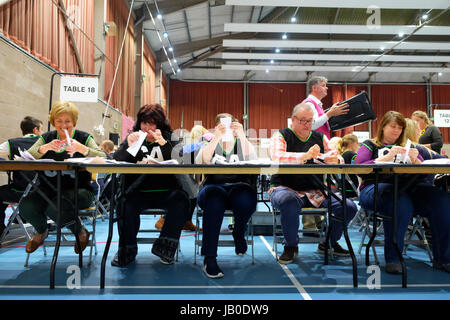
<point x="319" y="286"/>
<point x="155" y="287"/>
<point x="288" y="272"/>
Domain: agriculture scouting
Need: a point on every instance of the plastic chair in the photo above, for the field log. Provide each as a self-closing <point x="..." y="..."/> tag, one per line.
<point x="150" y="240"/>
<point x="222" y="243"/>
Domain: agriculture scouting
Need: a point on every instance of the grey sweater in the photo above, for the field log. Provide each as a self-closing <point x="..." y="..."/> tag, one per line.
<point x="433" y="137"/>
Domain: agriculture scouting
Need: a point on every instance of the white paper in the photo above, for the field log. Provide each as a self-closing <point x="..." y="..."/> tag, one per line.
<point x="24" y="155"/>
<point x="437" y="161"/>
<point x="153" y="160"/>
<point x="228" y="136"/>
<point x="405" y="156"/>
<point x="134" y="148"/>
<point x="67" y="136"/>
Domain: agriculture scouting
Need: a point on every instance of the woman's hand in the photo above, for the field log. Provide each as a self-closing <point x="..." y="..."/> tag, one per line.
<point x="395" y="150"/>
<point x="75" y="146"/>
<point x="238" y="129"/>
<point x="220" y="130"/>
<point x="132" y="138"/>
<point x="413" y="155"/>
<point x="157" y="137"/>
<point x="54" y="145"/>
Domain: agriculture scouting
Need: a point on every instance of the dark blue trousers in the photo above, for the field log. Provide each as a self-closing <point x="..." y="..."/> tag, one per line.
<point x="290" y="205"/>
<point x="214" y="199"/>
<point x="423" y="199"/>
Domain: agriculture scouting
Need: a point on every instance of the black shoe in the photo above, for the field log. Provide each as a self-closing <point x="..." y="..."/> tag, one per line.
<point x="124" y="256"/>
<point x="337" y="250"/>
<point x="393" y="268"/>
<point x="211" y="268"/>
<point x="2" y="228"/>
<point x="165" y="248"/>
<point x="440" y="266"/>
<point x="311" y="234"/>
<point x="240" y="244"/>
<point x="288" y="255"/>
<point x="51" y="227"/>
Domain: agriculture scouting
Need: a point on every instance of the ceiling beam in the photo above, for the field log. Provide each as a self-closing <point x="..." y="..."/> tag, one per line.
<point x="334" y="57"/>
<point x="363" y="4"/>
<point x="330" y="68"/>
<point x="334" y="29"/>
<point x="173" y="6"/>
<point x="335" y="44"/>
<point x="182" y="49"/>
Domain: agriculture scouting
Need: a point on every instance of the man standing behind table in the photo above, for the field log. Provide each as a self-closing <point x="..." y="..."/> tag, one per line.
<point x="317" y="90"/>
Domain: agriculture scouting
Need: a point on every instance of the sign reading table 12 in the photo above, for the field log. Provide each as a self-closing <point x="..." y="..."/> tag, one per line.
<point x="79" y="89"/>
<point x="442" y="118"/>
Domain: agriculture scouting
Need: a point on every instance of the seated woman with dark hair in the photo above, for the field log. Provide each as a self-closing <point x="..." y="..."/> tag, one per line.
<point x="160" y="191"/>
<point x="221" y="192"/>
<point x="420" y="197"/>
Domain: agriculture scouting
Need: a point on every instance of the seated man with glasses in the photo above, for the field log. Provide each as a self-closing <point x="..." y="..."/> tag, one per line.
<point x="299" y="144"/>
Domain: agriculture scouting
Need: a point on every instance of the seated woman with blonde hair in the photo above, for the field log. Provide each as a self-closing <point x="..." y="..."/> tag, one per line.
<point x="430" y="136"/>
<point x="347" y="148"/>
<point x="60" y="144"/>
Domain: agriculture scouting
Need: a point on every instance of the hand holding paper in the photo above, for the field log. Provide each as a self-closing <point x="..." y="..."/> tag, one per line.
<point x="228" y="136"/>
<point x="136" y="145"/>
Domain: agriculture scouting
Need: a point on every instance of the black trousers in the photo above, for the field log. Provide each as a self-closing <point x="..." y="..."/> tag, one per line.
<point x="176" y="202"/>
<point x="7" y="194"/>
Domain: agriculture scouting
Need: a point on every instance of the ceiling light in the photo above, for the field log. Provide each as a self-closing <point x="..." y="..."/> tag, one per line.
<point x="159" y="16"/>
<point x="267" y="70"/>
<point x="178" y="70"/>
<point x="293" y="19"/>
<point x="165" y="34"/>
<point x="284" y="37"/>
<point x="440" y="74"/>
<point x="175" y="60"/>
<point x="271" y="61"/>
<point x="277" y="50"/>
<point x="401" y="34"/>
<point x="170" y="49"/>
<point x="425" y="16"/>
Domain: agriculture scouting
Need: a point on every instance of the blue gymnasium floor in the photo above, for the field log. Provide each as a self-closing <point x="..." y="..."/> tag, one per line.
<point x="147" y="279"/>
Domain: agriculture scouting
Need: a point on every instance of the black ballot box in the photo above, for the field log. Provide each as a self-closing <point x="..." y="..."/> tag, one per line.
<point x="360" y="111"/>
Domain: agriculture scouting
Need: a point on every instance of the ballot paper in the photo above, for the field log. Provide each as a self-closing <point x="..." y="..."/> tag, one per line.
<point x="24" y="155"/>
<point x="134" y="148"/>
<point x="228" y="136"/>
<point x="150" y="159"/>
<point x="437" y="161"/>
<point x="321" y="159"/>
<point x="405" y="156"/>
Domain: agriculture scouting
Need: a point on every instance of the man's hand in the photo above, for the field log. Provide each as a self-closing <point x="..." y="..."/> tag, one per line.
<point x="337" y="110"/>
<point x="332" y="159"/>
<point x="312" y="153"/>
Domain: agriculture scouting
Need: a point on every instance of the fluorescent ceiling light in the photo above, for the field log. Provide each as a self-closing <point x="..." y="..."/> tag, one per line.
<point x="261" y="67"/>
<point x="334" y="29"/>
<point x="336" y="44"/>
<point x="334" y="57"/>
<point x="362" y="4"/>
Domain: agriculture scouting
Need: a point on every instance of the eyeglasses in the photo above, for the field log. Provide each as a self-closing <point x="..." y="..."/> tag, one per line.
<point x="305" y="121"/>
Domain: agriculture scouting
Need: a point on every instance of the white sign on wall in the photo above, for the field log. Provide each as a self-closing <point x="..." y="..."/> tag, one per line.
<point x="442" y="118"/>
<point x="362" y="135"/>
<point x="79" y="89"/>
